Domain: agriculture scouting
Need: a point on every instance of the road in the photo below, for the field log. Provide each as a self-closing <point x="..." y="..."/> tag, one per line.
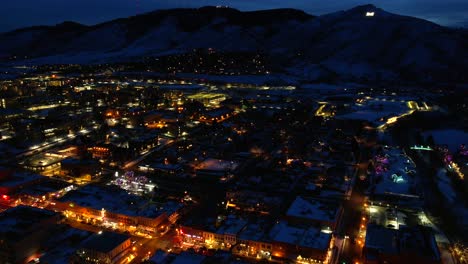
<point x="132" y="163"/>
<point x="350" y="246"/>
<point x="48" y="145"/>
<point x="147" y="247"/>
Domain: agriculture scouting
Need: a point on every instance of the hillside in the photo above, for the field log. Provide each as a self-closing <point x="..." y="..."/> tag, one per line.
<point x="347" y="44"/>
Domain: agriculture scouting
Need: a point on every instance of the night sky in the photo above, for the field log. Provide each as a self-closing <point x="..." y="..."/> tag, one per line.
<point x="21" y="13"/>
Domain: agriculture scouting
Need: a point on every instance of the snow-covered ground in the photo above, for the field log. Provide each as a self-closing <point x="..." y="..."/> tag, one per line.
<point x="247" y="79"/>
<point x="371" y="116"/>
<point x="445" y="186"/>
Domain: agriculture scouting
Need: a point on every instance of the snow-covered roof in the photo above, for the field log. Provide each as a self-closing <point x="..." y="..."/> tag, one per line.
<point x="116" y="200"/>
<point x="310" y="238"/>
<point x="232" y="225"/>
<point x="313" y="209"/>
<point x="16" y="222"/>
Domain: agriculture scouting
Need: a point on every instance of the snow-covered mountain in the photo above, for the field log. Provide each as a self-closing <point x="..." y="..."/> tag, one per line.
<point x="348" y="44"/>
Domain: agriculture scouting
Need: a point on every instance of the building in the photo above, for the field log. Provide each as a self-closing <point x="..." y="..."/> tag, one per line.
<point x="253" y="241"/>
<point x="46" y="189"/>
<point x="230" y="230"/>
<point x="87" y="169"/>
<point x="23" y="230"/>
<point x="216" y="115"/>
<point x="43" y="162"/>
<point x="12" y="182"/>
<point x="300" y="243"/>
<point x="62" y="245"/>
<point x="105" y="248"/>
<point x="210" y="100"/>
<point x="406" y="245"/>
<point x="308" y="211"/>
<point x="188" y="258"/>
<point x="251" y="201"/>
<point x="114" y="205"/>
<point x="222" y="235"/>
<point x="215" y="169"/>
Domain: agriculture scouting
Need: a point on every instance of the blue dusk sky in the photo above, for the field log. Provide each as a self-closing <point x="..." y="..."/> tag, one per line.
<point x="21" y="13"/>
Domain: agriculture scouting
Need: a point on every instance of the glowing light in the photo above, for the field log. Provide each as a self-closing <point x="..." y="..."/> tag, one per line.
<point x="370" y="14"/>
<point x="421" y="148"/>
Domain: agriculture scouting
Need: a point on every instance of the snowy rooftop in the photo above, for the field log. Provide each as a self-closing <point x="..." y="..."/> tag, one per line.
<point x="252" y="232"/>
<point x="313" y="209"/>
<point x="381" y="238"/>
<point x="20" y="178"/>
<point x="159" y="257"/>
<point x="418" y="240"/>
<point x="188" y="258"/>
<point x="16" y="223"/>
<point x="232" y="225"/>
<point x="116" y="200"/>
<point x="46" y="186"/>
<point x="62" y="245"/>
<point x="104" y="242"/>
<point x="377" y="110"/>
<point x="310" y="238"/>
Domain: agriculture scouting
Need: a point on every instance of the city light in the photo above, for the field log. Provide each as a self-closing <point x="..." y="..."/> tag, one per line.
<point x="274" y="149"/>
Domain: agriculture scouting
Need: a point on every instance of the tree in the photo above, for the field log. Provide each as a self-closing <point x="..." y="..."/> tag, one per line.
<point x="430" y="140"/>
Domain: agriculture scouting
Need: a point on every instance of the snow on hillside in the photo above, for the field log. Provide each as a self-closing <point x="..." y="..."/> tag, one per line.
<point x="346" y="44"/>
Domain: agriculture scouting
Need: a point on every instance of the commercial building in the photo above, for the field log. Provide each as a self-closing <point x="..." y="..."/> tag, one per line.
<point x="215" y="169"/>
<point x="105" y="248"/>
<point x="296" y="242"/>
<point x="23" y="230"/>
<point x="87" y="169"/>
<point x="113" y="204"/>
<point x="11" y="182"/>
<point x="308" y="211"/>
<point x="406" y="245"/>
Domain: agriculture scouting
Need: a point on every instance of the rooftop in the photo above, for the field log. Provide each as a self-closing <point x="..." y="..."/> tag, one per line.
<point x="381" y="238"/>
<point x="313" y="209"/>
<point x="418" y="240"/>
<point x="46" y="186"/>
<point x="310" y="237"/>
<point x="20" y="178"/>
<point x="17" y="222"/>
<point x="42" y="160"/>
<point x="63" y="244"/>
<point x="117" y="200"/>
<point x="104" y="242"/>
<point x="188" y="258"/>
<point x="252" y="232"/>
<point x="232" y="225"/>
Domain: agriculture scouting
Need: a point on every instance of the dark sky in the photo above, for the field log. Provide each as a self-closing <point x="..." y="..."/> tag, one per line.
<point x="21" y="13"/>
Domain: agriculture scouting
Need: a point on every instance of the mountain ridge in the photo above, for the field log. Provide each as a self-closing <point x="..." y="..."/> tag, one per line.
<point x="348" y="43"/>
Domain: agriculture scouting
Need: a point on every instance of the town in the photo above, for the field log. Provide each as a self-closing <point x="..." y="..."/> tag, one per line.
<point x="119" y="165"/>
